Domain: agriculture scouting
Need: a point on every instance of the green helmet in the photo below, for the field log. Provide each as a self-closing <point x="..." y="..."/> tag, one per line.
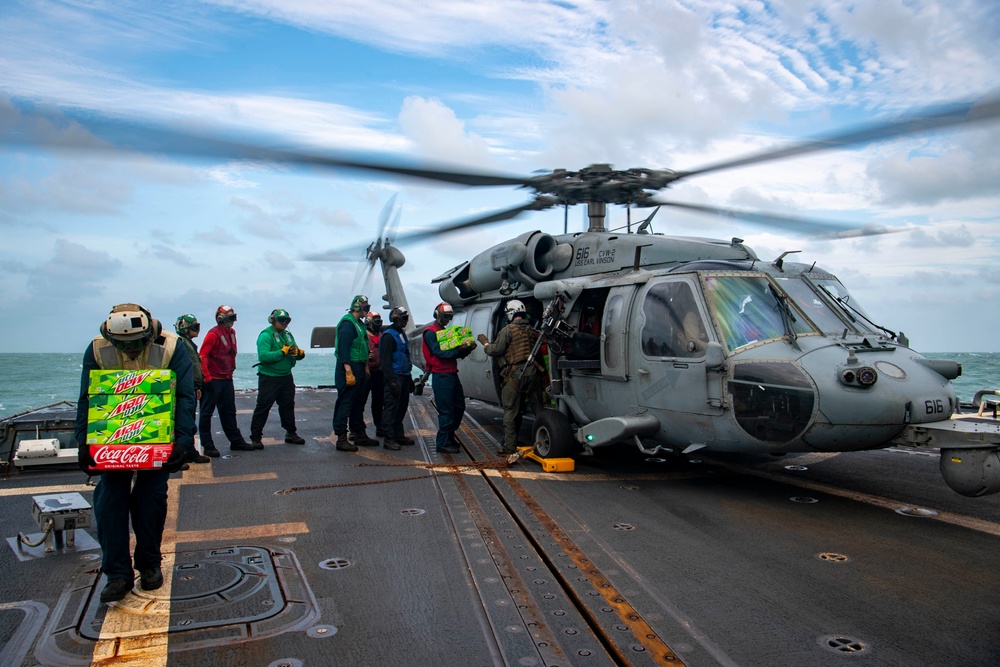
<point x="360" y="302"/>
<point x="186" y="323"/>
<point x="279" y="314"/>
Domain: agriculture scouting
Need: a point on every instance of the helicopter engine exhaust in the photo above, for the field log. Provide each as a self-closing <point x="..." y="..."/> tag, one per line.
<point x="518" y="264"/>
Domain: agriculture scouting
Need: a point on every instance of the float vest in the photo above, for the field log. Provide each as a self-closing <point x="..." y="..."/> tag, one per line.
<point x="401" y="364"/>
<point x="220" y="362"/>
<point x="522" y="339"/>
<point x="155" y="355"/>
<point x="359" y="347"/>
<point x="436" y="364"/>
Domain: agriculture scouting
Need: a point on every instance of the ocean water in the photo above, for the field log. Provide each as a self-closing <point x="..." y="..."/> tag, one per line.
<point x="32" y="380"/>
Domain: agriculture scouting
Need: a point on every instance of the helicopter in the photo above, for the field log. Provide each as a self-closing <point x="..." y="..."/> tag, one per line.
<point x="685" y="344"/>
<point x="672" y="343"/>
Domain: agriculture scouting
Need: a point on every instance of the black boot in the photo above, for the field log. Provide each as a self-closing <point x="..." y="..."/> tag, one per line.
<point x="361" y="438"/>
<point x="389" y="443"/>
<point x="345" y="445"/>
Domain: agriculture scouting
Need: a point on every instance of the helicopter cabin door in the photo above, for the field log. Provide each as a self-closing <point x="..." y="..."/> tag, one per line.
<point x="477" y="369"/>
<point x="673" y="336"/>
<point x="615" y="331"/>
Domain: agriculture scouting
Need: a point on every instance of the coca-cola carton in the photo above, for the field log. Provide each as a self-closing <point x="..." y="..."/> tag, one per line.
<point x="130" y="457"/>
<point x="127" y="406"/>
<point x="146" y="381"/>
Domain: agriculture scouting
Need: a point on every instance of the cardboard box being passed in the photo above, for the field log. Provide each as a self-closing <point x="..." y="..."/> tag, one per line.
<point x="453" y="337"/>
<point x="130" y="418"/>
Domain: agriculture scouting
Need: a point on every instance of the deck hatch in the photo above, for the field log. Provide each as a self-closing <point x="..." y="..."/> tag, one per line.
<point x="214" y="596"/>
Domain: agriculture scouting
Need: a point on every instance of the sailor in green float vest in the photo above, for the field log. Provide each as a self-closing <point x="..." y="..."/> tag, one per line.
<point x="351" y="377"/>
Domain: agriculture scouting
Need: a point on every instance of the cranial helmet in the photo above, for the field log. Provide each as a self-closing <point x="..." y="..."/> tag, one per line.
<point x="360" y="302"/>
<point x="130" y="328"/>
<point x="279" y="315"/>
<point x="513" y="309"/>
<point x="187" y="323"/>
<point x="225" y="314"/>
<point x="443" y="312"/>
<point x="374" y="322"/>
<point x="399" y="315"/>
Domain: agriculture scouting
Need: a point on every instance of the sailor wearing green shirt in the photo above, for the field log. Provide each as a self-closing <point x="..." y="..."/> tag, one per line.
<point x="351" y="377"/>
<point x="276" y="354"/>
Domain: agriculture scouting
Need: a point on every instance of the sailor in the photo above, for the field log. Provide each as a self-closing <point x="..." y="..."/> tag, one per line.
<point x="376" y="381"/>
<point x="218" y="361"/>
<point x="394" y="353"/>
<point x="521" y="380"/>
<point x="351" y="377"/>
<point x="188" y="327"/>
<point x="449" y="396"/>
<point x="277" y="353"/>
<point x="132" y="340"/>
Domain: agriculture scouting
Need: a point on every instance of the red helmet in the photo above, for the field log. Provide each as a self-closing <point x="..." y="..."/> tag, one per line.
<point x="224" y="314"/>
<point x="443" y="312"/>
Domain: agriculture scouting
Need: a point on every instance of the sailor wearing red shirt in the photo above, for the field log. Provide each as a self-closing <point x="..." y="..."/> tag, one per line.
<point x="218" y="361"/>
<point x="449" y="397"/>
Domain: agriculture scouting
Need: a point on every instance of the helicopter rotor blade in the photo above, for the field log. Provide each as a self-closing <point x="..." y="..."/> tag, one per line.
<point x="468" y="223"/>
<point x="51" y="129"/>
<point x="933" y="118"/>
<point x="827" y="229"/>
<point x="385" y="216"/>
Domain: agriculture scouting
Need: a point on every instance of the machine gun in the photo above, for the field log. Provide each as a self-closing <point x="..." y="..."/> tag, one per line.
<point x="550" y="328"/>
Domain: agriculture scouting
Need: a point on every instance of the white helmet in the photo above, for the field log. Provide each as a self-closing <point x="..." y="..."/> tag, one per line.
<point x="513" y="309"/>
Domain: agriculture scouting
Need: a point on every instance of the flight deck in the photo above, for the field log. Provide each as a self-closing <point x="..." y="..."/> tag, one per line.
<point x="302" y="555"/>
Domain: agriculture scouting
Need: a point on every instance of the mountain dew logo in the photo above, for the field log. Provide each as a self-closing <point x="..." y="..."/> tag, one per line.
<point x="128" y="381"/>
<point x="128" y="431"/>
<point x="129" y="407"/>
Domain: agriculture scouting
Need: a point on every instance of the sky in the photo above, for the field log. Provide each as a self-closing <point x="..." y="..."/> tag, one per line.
<point x="509" y="87"/>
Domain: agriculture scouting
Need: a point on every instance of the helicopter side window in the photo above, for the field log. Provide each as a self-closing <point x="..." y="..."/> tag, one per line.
<point x="673" y="327"/>
<point x="746" y="310"/>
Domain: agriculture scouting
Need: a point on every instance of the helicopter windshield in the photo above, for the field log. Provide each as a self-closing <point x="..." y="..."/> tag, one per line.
<point x="816" y="308"/>
<point x="746" y="310"/>
<point x="851" y="311"/>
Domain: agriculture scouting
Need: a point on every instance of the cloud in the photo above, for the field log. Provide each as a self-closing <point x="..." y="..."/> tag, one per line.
<point x="218" y="236"/>
<point x="72" y="270"/>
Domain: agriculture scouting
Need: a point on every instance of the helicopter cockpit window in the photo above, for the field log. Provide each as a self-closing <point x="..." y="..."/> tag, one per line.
<point x="673" y="326"/>
<point x="852" y="311"/>
<point x="747" y="311"/>
<point x="810" y="303"/>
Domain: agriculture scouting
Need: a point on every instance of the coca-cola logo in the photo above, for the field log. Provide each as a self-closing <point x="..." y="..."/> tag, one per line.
<point x="128" y="381"/>
<point x="129" y="407"/>
<point x="128" y="431"/>
<point x="136" y="455"/>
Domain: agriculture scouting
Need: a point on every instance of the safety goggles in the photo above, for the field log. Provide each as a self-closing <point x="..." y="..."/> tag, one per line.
<point x="195" y="328"/>
<point x="229" y="318"/>
<point x="283" y="320"/>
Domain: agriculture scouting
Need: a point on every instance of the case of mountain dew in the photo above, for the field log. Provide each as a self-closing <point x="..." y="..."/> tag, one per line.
<point x="130" y="418"/>
<point x="146" y="381"/>
<point x="453" y="337"/>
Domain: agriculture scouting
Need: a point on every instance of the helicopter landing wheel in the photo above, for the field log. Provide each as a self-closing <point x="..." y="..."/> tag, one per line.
<point x="553" y="435"/>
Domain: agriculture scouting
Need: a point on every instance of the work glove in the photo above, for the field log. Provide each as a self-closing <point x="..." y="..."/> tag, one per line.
<point x="394" y="387"/>
<point x="483" y="339"/>
<point x="287" y="350"/>
<point x="350" y="377"/>
<point x="85" y="460"/>
<point x="299" y="353"/>
<point x="175" y="461"/>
